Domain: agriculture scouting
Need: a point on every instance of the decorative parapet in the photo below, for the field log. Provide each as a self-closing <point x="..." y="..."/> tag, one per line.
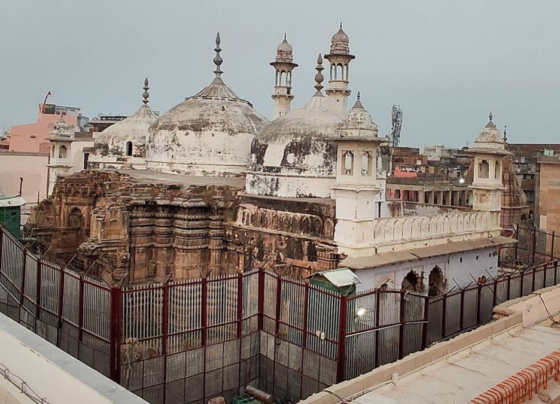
<point x="399" y="233"/>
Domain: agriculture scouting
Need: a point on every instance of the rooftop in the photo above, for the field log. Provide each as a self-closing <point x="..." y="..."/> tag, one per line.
<point x="474" y="367"/>
<point x="49" y="373"/>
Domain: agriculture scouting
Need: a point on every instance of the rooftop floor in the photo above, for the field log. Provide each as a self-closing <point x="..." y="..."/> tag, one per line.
<point x="186" y="180"/>
<point x="456" y="378"/>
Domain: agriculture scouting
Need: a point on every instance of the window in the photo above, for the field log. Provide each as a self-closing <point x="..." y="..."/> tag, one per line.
<point x="128" y="150"/>
<point x="347" y="163"/>
<point x="86" y="159"/>
<point x="367" y="164"/>
<point x="497" y="173"/>
<point x="483" y="169"/>
<point x="62" y="152"/>
<point x="436" y="281"/>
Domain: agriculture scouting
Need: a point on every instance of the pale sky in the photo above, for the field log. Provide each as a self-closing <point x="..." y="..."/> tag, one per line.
<point x="446" y="62"/>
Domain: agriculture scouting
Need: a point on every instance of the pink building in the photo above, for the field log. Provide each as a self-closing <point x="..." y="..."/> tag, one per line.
<point x="33" y="137"/>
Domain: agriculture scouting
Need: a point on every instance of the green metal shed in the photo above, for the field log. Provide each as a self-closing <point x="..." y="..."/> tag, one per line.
<point x="10" y="213"/>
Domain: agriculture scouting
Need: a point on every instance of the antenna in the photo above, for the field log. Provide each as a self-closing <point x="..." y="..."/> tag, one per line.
<point x="396" y="120"/>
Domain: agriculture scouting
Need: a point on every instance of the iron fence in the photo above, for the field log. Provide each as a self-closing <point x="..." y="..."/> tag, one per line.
<point x="188" y="341"/>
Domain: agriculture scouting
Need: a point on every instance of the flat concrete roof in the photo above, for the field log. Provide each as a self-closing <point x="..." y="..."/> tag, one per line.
<point x="396" y="257"/>
<point x="52" y="373"/>
<point x="181" y="179"/>
<point x="483" y="366"/>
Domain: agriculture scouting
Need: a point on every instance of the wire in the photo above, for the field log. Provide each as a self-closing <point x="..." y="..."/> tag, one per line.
<point x="550" y="316"/>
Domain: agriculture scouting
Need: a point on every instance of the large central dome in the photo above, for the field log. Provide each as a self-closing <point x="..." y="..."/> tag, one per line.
<point x="209" y="133"/>
<point x="295" y="155"/>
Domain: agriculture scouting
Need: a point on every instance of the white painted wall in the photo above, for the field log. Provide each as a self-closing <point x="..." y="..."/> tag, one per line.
<point x="454" y="266"/>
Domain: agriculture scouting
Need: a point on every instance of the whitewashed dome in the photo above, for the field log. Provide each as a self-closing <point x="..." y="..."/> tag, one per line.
<point x="295" y="155"/>
<point x="125" y="140"/>
<point x="358" y="121"/>
<point x="340" y="42"/>
<point x="284" y="51"/>
<point x="208" y="134"/>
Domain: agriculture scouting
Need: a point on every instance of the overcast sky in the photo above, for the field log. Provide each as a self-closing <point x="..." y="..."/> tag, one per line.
<point x="446" y="62"/>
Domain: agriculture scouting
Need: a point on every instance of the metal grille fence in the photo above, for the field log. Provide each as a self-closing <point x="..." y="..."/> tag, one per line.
<point x="188" y="341"/>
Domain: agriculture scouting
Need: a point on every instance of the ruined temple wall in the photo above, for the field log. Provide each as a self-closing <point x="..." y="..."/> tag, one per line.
<point x="288" y="235"/>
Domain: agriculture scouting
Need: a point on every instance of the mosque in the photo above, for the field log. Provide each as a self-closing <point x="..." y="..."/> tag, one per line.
<point x="214" y="187"/>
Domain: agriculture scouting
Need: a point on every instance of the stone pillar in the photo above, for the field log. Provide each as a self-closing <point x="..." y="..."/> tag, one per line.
<point x="422" y="196"/>
<point x="431" y="197"/>
<point x="449" y="197"/>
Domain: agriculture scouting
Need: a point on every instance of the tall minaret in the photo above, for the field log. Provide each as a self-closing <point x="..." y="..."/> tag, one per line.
<point x="284" y="65"/>
<point x="339" y="59"/>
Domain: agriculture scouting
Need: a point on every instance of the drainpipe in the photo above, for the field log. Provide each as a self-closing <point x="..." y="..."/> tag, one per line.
<point x="20" y="185"/>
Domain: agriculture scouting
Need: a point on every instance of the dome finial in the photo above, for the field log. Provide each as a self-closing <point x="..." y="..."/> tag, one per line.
<point x="285" y="37"/>
<point x="340" y="24"/>
<point x="358" y="103"/>
<point x="319" y="76"/>
<point x="218" y="59"/>
<point x="490" y="116"/>
<point x="146" y="94"/>
<point x="505" y="133"/>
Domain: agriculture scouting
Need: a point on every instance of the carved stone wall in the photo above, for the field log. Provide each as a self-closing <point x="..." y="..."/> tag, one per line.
<point x="137" y="230"/>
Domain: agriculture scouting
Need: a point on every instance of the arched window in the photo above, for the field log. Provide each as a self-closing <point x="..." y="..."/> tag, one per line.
<point x="483" y="169"/>
<point x="62" y="152"/>
<point x="367" y="164"/>
<point x="75" y="218"/>
<point x="497" y="172"/>
<point x="436" y="281"/>
<point x="347" y="163"/>
<point x="412" y="282"/>
<point x="128" y="150"/>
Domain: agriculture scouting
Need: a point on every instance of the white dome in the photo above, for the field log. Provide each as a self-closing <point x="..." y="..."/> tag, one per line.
<point x="207" y="134"/>
<point x="126" y="138"/>
<point x="358" y="121"/>
<point x="295" y="155"/>
<point x="340" y="43"/>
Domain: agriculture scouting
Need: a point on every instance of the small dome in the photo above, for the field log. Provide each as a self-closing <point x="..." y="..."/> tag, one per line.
<point x="134" y="127"/>
<point x="358" y="121"/>
<point x="284" y="52"/>
<point x="124" y="138"/>
<point x="61" y="128"/>
<point x="490" y="133"/>
<point x="340" y="43"/>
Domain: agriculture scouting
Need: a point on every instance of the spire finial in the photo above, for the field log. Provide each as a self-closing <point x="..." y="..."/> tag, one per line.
<point x="505" y="133"/>
<point x="218" y="59"/>
<point x="340" y="24"/>
<point x="490" y="116"/>
<point x="285" y="37"/>
<point x="358" y="103"/>
<point x="146" y="94"/>
<point x="319" y="76"/>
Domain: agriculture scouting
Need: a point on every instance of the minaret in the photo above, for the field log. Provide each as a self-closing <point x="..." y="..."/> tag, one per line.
<point x="339" y="59"/>
<point x="60" y="162"/>
<point x="489" y="151"/>
<point x="356" y="190"/>
<point x="284" y="65"/>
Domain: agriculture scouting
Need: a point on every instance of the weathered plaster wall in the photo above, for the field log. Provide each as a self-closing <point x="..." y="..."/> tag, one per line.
<point x="456" y="268"/>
